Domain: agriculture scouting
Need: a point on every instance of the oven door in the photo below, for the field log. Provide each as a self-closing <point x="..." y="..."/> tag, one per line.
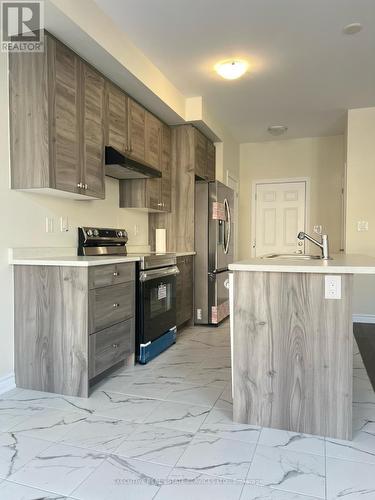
<point x="157" y="302"/>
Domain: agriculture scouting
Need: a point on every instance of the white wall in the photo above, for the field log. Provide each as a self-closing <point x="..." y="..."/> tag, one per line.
<point x="361" y="199"/>
<point x="22" y="222"/>
<point x="227" y="159"/>
<point x="319" y="158"/>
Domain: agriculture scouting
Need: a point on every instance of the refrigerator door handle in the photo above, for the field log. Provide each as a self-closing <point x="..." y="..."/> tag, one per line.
<point x="227" y="234"/>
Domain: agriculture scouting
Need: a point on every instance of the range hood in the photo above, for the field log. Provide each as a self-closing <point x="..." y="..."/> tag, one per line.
<point x="120" y="166"/>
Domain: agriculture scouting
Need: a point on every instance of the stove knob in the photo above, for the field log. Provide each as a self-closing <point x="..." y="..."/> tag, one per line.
<point x="119" y="234"/>
<point x="89" y="232"/>
<point x="96" y="232"/>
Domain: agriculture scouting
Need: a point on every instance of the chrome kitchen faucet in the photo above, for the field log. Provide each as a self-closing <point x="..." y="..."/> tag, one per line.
<point x="323" y="245"/>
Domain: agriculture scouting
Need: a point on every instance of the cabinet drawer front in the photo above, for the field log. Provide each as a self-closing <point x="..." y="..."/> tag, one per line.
<point x="111" y="275"/>
<point x="111" y="305"/>
<point x="110" y="346"/>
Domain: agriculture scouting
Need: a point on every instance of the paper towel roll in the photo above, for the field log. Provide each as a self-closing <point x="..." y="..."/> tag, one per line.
<point x="161" y="240"/>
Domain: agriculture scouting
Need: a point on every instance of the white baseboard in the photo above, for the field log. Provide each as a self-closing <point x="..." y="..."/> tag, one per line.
<point x="7" y="383"/>
<point x="363" y="318"/>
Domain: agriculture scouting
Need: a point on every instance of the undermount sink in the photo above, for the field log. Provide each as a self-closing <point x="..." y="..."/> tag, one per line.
<point x="292" y="256"/>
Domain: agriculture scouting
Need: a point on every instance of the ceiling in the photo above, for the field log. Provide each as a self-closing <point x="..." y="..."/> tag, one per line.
<point x="305" y="72"/>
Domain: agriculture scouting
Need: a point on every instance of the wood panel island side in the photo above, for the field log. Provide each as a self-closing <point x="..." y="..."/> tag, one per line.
<point x="291" y="346"/>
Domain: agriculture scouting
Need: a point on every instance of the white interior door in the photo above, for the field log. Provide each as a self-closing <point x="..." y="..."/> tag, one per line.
<point x="280" y="210"/>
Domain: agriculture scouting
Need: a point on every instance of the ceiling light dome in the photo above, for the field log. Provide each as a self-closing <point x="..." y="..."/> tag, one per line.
<point x="352" y="29"/>
<point x="232" y="68"/>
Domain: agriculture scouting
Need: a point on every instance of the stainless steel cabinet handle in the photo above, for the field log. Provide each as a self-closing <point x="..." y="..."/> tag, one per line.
<point x="158" y="273"/>
<point x="115" y="346"/>
<point x="116" y="306"/>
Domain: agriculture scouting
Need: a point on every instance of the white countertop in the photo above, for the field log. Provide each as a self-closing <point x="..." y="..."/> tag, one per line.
<point x="339" y="264"/>
<point x="73" y="261"/>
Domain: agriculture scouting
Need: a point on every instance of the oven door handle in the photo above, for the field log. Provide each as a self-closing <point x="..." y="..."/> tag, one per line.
<point x="158" y="273"/>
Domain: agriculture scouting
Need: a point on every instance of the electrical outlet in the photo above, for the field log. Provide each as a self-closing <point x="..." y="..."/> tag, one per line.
<point x="49" y="225"/>
<point x="199" y="313"/>
<point x="333" y="287"/>
<point x="318" y="229"/>
<point x="136" y="229"/>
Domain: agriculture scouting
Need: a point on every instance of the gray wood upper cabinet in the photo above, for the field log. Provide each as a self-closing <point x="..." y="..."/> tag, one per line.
<point x="137" y="130"/>
<point x="204" y="157"/>
<point x="153" y="195"/>
<point x="153" y="137"/>
<point x="179" y="223"/>
<point x="117" y="118"/>
<point x="200" y="154"/>
<point x="56" y="122"/>
<point x="93" y="133"/>
<point x="72" y="323"/>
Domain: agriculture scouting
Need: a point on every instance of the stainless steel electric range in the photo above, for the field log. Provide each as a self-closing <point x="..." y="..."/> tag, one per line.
<point x="155" y="288"/>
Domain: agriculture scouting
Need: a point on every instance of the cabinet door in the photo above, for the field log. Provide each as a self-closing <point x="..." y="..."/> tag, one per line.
<point x="65" y="126"/>
<point x="166" y="180"/>
<point x="179" y="291"/>
<point x="200" y="155"/>
<point x="136" y="130"/>
<point x="153" y="140"/>
<point x="116" y="126"/>
<point x="211" y="161"/>
<point x="93" y="131"/>
<point x="153" y="194"/>
<point x="184" y="293"/>
<point x="188" y="288"/>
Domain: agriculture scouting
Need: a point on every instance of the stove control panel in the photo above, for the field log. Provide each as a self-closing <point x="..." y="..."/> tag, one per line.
<point x="101" y="241"/>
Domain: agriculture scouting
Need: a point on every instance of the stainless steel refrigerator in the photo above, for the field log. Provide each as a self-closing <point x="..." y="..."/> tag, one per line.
<point x="214" y="251"/>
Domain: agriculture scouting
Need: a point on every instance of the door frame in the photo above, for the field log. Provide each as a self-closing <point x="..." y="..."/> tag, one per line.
<point x="234" y="180"/>
<point x="256" y="182"/>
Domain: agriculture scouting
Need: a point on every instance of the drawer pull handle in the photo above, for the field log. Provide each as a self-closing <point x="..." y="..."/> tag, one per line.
<point x="116" y="306"/>
<point x="115" y="346"/>
<point x="116" y="273"/>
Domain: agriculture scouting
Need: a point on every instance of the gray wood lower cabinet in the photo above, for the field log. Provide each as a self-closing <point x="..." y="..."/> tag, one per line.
<point x="72" y="324"/>
<point x="110" y="346"/>
<point x="292" y="353"/>
<point x="184" y="285"/>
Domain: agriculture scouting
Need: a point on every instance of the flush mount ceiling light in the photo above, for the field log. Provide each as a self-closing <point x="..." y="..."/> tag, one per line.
<point x="232" y="68"/>
<point x="352" y="29"/>
<point x="277" y="129"/>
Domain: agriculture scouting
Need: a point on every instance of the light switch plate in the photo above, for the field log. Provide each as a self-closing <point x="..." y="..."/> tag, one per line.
<point x="50" y="227"/>
<point x="333" y="287"/>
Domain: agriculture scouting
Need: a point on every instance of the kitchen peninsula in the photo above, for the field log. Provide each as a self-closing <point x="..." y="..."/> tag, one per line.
<point x="292" y="346"/>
